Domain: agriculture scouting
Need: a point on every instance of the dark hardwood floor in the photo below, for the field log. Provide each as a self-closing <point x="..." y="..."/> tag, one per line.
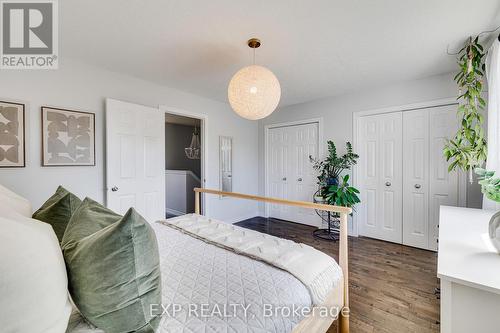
<point x="391" y="286"/>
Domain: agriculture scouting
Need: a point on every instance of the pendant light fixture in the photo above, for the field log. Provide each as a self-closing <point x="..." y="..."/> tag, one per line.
<point x="193" y="151"/>
<point x="254" y="91"/>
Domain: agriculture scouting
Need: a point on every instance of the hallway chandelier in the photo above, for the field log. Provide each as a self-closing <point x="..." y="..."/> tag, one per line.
<point x="193" y="151"/>
<point x="254" y="91"/>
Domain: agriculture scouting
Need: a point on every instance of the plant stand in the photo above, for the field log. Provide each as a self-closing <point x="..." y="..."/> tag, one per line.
<point x="332" y="232"/>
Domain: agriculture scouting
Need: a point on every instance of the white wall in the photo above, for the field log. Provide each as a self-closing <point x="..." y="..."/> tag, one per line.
<point x="337" y="113"/>
<point x="82" y="87"/>
<point x="179" y="197"/>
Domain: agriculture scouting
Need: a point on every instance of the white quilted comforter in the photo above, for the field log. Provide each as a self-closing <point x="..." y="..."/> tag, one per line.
<point x="195" y="272"/>
<point x="316" y="270"/>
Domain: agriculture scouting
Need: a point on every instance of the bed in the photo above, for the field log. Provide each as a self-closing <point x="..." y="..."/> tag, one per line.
<point x="212" y="286"/>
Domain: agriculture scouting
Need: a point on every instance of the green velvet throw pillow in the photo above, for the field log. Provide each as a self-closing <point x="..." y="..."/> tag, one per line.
<point x="57" y="210"/>
<point x="113" y="268"/>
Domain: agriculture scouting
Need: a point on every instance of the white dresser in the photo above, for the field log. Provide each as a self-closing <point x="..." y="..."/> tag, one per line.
<point x="469" y="269"/>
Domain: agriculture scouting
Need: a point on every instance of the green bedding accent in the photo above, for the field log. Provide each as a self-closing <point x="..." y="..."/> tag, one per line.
<point x="113" y="268"/>
<point x="57" y="210"/>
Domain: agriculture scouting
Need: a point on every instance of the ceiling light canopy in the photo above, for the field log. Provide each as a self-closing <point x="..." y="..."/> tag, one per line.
<point x="254" y="91"/>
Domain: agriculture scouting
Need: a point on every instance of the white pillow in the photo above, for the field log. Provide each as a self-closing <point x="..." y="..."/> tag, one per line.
<point x="14" y="201"/>
<point x="33" y="281"/>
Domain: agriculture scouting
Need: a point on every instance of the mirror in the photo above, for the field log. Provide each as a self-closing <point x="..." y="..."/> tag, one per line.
<point x="226" y="163"/>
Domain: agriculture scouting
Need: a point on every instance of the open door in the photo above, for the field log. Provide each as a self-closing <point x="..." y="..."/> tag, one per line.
<point x="135" y="159"/>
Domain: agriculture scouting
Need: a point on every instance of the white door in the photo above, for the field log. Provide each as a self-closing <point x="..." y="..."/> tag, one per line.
<point x="290" y="172"/>
<point x="380" y="170"/>
<point x="444" y="185"/>
<point x="368" y="171"/>
<point x="404" y="176"/>
<point x="279" y="147"/>
<point x="416" y="178"/>
<point x="135" y="159"/>
<point x="304" y="139"/>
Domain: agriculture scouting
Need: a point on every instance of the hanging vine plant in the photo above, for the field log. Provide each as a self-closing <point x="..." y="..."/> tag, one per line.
<point x="467" y="150"/>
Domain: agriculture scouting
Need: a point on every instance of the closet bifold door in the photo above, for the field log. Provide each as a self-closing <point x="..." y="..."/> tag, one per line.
<point x="444" y="185"/>
<point x="278" y="170"/>
<point x="290" y="172"/>
<point x="390" y="180"/>
<point x="304" y="141"/>
<point x="380" y="170"/>
<point x="416" y="178"/>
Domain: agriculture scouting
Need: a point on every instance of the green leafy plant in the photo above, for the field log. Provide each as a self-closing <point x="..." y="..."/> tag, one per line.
<point x="490" y="186"/>
<point x="467" y="150"/>
<point x="333" y="165"/>
<point x="342" y="194"/>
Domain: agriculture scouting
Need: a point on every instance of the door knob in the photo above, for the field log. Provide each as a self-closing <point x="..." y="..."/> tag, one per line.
<point x="417" y="186"/>
<point x="284" y="178"/>
<point x="114" y="189"/>
<point x="387" y="183"/>
<point x="300" y="179"/>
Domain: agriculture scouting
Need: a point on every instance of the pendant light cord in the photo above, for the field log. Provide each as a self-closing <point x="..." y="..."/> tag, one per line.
<point x="254" y="55"/>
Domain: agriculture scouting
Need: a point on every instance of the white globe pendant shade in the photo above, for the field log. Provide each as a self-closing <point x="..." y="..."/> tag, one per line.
<point x="254" y="92"/>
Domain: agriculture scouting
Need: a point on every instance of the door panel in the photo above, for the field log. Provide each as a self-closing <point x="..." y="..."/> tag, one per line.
<point x="135" y="139"/>
<point x="290" y="173"/>
<point x="390" y="184"/>
<point x="443" y="184"/>
<point x="303" y="177"/>
<point x="388" y="161"/>
<point x="403" y="175"/>
<point x="278" y="169"/>
<point x="368" y="167"/>
<point x="125" y="202"/>
<point x="127" y="155"/>
<point x="371" y="208"/>
<point x="416" y="178"/>
<point x="380" y="170"/>
<point x="389" y="220"/>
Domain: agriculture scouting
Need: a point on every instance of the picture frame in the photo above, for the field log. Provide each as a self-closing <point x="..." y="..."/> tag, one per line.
<point x="68" y="137"/>
<point x="12" y="135"/>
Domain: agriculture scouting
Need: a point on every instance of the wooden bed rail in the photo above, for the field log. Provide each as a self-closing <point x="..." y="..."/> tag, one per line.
<point x="303" y="204"/>
<point x="343" y="319"/>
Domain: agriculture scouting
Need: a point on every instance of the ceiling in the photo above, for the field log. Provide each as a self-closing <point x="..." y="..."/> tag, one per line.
<point x="316" y="48"/>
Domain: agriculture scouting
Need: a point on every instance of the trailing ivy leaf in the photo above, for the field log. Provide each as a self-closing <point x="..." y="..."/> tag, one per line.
<point x="467" y="149"/>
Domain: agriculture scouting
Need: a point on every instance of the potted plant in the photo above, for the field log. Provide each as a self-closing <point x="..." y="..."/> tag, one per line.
<point x="332" y="166"/>
<point x="490" y="186"/>
<point x="332" y="189"/>
<point x="342" y="194"/>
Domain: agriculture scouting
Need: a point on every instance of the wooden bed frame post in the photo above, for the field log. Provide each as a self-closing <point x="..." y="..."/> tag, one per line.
<point x="197" y="202"/>
<point x="343" y="320"/>
<point x="310" y="324"/>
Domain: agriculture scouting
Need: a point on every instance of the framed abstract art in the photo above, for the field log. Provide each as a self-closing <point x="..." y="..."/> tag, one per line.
<point x="68" y="137"/>
<point x="12" y="132"/>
